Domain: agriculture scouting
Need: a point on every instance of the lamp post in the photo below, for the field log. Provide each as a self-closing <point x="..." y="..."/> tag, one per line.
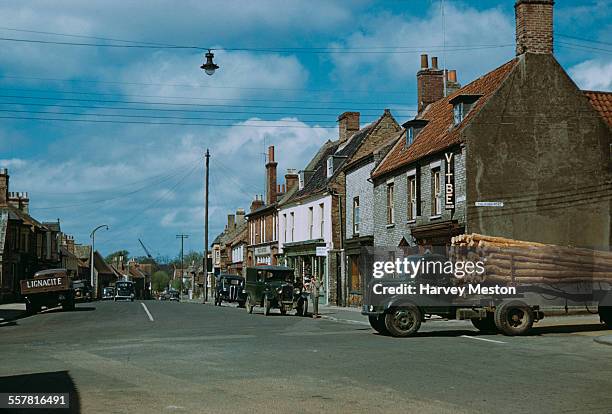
<point x="91" y="263"/>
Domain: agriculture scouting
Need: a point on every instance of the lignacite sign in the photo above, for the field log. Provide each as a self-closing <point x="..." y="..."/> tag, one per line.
<point x="44" y="284"/>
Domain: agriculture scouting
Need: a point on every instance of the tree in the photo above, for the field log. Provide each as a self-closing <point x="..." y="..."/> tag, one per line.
<point x="176" y="284"/>
<point x="119" y="253"/>
<point x="160" y="280"/>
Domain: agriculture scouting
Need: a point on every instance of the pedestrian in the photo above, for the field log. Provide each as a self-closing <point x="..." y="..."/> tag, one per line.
<point x="315" y="284"/>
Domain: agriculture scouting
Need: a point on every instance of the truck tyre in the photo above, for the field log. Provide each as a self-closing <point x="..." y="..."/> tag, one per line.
<point x="514" y="318"/>
<point x="32" y="308"/>
<point x="485" y="325"/>
<point x="248" y="305"/>
<point x="403" y="321"/>
<point x="605" y="314"/>
<point x="267" y="306"/>
<point x="283" y="310"/>
<point x="377" y="322"/>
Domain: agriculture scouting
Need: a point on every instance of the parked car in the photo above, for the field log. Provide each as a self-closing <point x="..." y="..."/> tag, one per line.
<point x="124" y="290"/>
<point x="82" y="291"/>
<point x="108" y="293"/>
<point x="174" y="295"/>
<point x="274" y="287"/>
<point x="230" y="288"/>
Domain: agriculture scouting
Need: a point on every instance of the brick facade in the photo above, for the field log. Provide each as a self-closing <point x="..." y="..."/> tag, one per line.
<point x="534" y="26"/>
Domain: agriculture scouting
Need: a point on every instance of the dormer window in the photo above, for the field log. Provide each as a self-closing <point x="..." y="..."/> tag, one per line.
<point x="330" y="166"/>
<point x="461" y="106"/>
<point x="413" y="127"/>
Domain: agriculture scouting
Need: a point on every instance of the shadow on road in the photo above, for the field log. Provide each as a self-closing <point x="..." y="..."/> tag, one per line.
<point x="44" y="382"/>
<point x="77" y="309"/>
<point x="592" y="327"/>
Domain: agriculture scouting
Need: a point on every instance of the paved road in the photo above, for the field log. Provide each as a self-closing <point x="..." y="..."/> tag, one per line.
<point x="200" y="358"/>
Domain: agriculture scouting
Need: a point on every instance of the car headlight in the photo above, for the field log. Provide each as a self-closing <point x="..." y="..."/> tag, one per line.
<point x="243" y="291"/>
<point x="279" y="290"/>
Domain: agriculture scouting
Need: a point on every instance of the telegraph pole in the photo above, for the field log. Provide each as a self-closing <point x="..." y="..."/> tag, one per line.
<point x="205" y="258"/>
<point x="182" y="237"/>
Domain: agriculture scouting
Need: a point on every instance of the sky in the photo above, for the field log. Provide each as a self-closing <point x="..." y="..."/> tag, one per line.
<point x="101" y="130"/>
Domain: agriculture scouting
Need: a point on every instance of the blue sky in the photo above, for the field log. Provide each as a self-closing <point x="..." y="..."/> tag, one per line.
<point x="146" y="181"/>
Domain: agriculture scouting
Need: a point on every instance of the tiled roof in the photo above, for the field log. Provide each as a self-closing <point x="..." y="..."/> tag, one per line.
<point x="602" y="102"/>
<point x="439" y="132"/>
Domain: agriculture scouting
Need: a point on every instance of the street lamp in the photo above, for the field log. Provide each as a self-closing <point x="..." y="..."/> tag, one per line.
<point x="91" y="263"/>
<point x="209" y="67"/>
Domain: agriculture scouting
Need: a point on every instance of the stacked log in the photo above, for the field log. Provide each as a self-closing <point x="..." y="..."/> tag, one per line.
<point x="515" y="261"/>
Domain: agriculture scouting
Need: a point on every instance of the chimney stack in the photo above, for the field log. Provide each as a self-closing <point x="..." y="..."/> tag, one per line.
<point x="534" y="26"/>
<point x="4" y="187"/>
<point x="239" y="216"/>
<point x="271" y="177"/>
<point x="256" y="204"/>
<point x="451" y="82"/>
<point x="348" y="124"/>
<point x="231" y="222"/>
<point x="291" y="179"/>
<point x="430" y="83"/>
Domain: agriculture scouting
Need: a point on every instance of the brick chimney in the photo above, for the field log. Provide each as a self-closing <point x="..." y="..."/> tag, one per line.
<point x="292" y="178"/>
<point x="271" y="177"/>
<point x="231" y="222"/>
<point x="430" y="83"/>
<point x="534" y="26"/>
<point x="451" y="82"/>
<point x="257" y="203"/>
<point x="239" y="216"/>
<point x="348" y="124"/>
<point x="4" y="187"/>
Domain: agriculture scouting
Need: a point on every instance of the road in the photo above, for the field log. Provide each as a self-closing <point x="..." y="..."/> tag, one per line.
<point x="185" y="357"/>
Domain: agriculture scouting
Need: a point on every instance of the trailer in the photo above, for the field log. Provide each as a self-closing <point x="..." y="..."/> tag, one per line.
<point x="48" y="288"/>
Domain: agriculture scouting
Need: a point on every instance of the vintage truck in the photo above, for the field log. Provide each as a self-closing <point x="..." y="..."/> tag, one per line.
<point x="545" y="278"/>
<point x="48" y="288"/>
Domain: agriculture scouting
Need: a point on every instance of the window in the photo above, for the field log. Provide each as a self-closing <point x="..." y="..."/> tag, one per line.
<point x="458" y="113"/>
<point x="356" y="215"/>
<point x="292" y="226"/>
<point x="412" y="198"/>
<point x="409" y="136"/>
<point x="436" y="198"/>
<point x="310" y="223"/>
<point x="322" y="216"/>
<point x="285" y="227"/>
<point x="330" y="166"/>
<point x="390" y="209"/>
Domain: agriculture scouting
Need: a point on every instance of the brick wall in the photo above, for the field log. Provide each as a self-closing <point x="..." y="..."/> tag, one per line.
<point x="392" y="235"/>
<point x="357" y="185"/>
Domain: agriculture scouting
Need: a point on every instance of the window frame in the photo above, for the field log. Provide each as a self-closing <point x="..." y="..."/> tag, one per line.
<point x="390" y="203"/>
<point x="411" y="192"/>
<point x="436" y="189"/>
<point x="356" y="215"/>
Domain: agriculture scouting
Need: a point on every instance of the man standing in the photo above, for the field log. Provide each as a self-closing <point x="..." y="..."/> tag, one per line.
<point x="315" y="284"/>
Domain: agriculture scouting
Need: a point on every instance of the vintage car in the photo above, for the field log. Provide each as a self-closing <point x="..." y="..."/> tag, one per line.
<point x="230" y="288"/>
<point x="82" y="291"/>
<point x="108" y="293"/>
<point x="124" y="290"/>
<point x="274" y="287"/>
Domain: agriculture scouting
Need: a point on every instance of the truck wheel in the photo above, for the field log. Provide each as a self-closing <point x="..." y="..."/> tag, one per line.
<point x="283" y="310"/>
<point x="403" y="322"/>
<point x="267" y="306"/>
<point x="514" y="318"/>
<point x="32" y="308"/>
<point x="485" y="325"/>
<point x="377" y="322"/>
<point x="605" y="314"/>
<point x="248" y="305"/>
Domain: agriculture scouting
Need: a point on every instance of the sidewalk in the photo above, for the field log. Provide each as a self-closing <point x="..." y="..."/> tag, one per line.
<point x="11" y="311"/>
<point x="606" y="339"/>
<point x="342" y="314"/>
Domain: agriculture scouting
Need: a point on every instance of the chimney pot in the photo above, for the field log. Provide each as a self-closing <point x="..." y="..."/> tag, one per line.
<point x="434" y="62"/>
<point x="430" y="84"/>
<point x="452" y="75"/>
<point x="424" y="61"/>
<point x="271" y="193"/>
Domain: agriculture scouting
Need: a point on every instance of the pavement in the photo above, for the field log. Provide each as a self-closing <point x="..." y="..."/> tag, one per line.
<point x="152" y="356"/>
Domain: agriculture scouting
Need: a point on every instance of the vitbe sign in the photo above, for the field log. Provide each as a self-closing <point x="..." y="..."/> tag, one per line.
<point x="449" y="182"/>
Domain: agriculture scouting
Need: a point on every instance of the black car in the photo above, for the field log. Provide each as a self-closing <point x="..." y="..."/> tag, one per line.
<point x="124" y="290"/>
<point x="230" y="288"/>
<point x="274" y="287"/>
<point x="82" y="291"/>
<point x="108" y="293"/>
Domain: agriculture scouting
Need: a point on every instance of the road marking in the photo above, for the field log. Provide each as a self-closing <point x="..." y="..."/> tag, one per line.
<point x="483" y="339"/>
<point x="147" y="311"/>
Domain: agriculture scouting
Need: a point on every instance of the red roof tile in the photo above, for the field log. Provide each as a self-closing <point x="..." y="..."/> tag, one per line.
<point x="439" y="132"/>
<point x="602" y="102"/>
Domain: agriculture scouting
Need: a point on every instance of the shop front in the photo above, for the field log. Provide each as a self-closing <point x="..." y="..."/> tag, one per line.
<point x="308" y="259"/>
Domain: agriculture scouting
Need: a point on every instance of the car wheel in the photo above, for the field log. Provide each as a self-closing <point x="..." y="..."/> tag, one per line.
<point x="241" y="304"/>
<point x="283" y="310"/>
<point x="486" y="324"/>
<point x="605" y="314"/>
<point x="267" y="305"/>
<point x="403" y="322"/>
<point x="377" y="322"/>
<point x="514" y="318"/>
<point x="249" y="304"/>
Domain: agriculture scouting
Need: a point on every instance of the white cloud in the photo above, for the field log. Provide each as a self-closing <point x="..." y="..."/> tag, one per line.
<point x="593" y="74"/>
<point x="13" y="163"/>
